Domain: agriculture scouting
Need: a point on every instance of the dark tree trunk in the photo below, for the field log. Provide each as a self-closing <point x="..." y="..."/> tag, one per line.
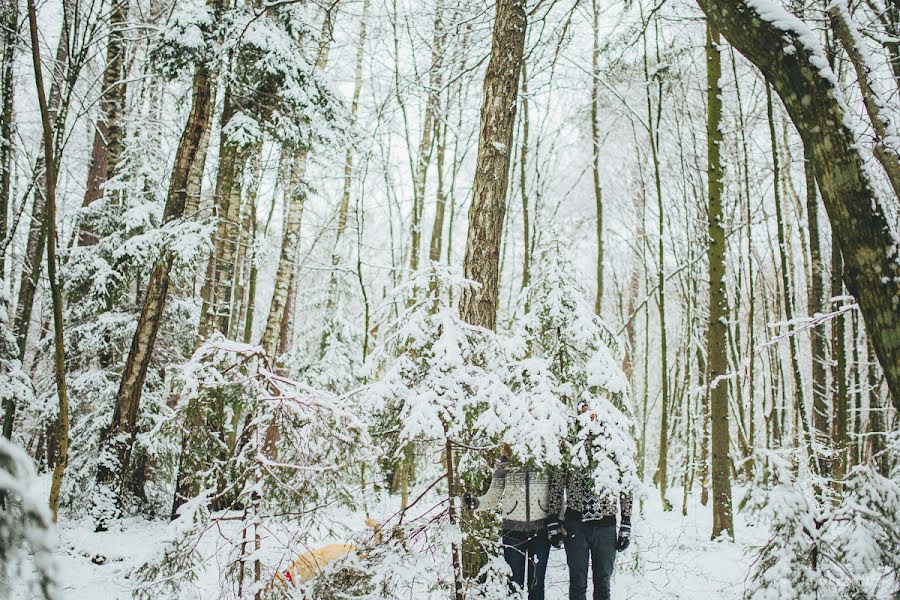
<point x="117" y="441"/>
<point x="109" y="132"/>
<point x="10" y="20"/>
<point x="859" y="222"/>
<point x="717" y="361"/>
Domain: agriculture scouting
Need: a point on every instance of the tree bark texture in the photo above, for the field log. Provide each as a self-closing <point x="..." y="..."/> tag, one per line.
<point x="118" y="438"/>
<point x="109" y="132"/>
<point x="717" y="362"/>
<point x="858" y="221"/>
<point x="498" y="113"/>
<point x="59" y="357"/>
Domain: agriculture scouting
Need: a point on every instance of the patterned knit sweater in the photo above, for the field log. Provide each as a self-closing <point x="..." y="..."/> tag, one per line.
<point x="574" y="490"/>
<point x="523" y="495"/>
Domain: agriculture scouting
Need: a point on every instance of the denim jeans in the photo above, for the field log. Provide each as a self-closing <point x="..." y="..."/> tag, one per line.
<point x="526" y="553"/>
<point x="592" y="540"/>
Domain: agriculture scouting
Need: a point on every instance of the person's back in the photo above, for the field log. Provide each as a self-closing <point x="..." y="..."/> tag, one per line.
<point x="523" y="495"/>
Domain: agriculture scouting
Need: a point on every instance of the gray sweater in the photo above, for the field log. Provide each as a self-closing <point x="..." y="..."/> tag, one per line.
<point x="523" y="495"/>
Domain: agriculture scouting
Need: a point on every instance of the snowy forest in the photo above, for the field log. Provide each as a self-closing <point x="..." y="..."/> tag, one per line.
<point x="291" y="289"/>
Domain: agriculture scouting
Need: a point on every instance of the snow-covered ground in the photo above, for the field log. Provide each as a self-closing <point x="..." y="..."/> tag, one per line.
<point x="671" y="557"/>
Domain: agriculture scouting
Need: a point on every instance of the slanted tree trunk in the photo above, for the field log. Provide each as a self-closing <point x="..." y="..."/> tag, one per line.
<point x="109" y="132"/>
<point x="275" y="336"/>
<point x="59" y="356"/>
<point x="37" y="232"/>
<point x="873" y="98"/>
<point x="498" y="114"/>
<point x="117" y="440"/>
<point x="717" y="362"/>
<point x="813" y="100"/>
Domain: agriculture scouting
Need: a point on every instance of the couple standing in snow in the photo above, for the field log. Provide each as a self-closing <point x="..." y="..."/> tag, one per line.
<point x="559" y="507"/>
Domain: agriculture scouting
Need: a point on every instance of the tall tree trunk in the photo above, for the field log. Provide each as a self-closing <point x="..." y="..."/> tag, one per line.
<point x="498" y="113"/>
<point x="523" y="182"/>
<point x="788" y="292"/>
<point x="37" y="232"/>
<point x="595" y="148"/>
<point x="478" y="306"/>
<point x="814" y="102"/>
<point x="839" y="436"/>
<point x="662" y="465"/>
<point x="428" y="134"/>
<point x="117" y="440"/>
<point x="109" y="132"/>
<point x="717" y="362"/>
<point x="440" y="206"/>
<point x="278" y="323"/>
<point x="9" y="16"/>
<point x="814" y="305"/>
<point x="59" y="356"/>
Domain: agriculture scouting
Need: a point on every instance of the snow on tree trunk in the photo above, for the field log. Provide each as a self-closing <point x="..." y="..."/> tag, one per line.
<point x="808" y="88"/>
<point x="119" y="435"/>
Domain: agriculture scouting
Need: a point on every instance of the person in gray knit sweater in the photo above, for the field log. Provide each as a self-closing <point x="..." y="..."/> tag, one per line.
<point x="586" y="523"/>
<point x="523" y="495"/>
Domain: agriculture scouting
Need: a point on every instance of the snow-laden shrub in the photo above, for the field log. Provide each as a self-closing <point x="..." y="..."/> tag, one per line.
<point x="260" y="453"/>
<point x="26" y="546"/>
<point x="823" y="547"/>
<point x="579" y="363"/>
<point x="412" y="562"/>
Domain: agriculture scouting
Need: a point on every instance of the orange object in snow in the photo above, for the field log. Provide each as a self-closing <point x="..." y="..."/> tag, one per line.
<point x="309" y="564"/>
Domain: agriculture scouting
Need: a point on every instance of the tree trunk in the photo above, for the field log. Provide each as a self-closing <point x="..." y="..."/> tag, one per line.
<point x="118" y="438"/>
<point x="10" y="22"/>
<point x="814" y="305"/>
<point x="109" y="132"/>
<point x="839" y="436"/>
<point x="37" y="232"/>
<point x="859" y="222"/>
<point x="428" y="133"/>
<point x="873" y="98"/>
<point x="788" y="292"/>
<point x="498" y="113"/>
<point x="595" y="149"/>
<point x="523" y="182"/>
<point x="662" y="465"/>
<point x="278" y="323"/>
<point x="478" y="306"/>
<point x="59" y="357"/>
<point x="717" y="363"/>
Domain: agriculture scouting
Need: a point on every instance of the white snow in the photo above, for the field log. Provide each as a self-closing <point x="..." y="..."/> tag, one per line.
<point x="671" y="556"/>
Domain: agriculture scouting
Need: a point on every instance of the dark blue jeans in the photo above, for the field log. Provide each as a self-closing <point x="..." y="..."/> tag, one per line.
<point x="592" y="540"/>
<point x="527" y="552"/>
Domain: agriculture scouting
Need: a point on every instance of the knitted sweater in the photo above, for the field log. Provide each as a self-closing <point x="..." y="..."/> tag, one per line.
<point x="523" y="495"/>
<point x="574" y="490"/>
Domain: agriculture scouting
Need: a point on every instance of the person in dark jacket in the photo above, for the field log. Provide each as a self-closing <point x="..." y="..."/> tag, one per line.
<point x="523" y="495"/>
<point x="586" y="523"/>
